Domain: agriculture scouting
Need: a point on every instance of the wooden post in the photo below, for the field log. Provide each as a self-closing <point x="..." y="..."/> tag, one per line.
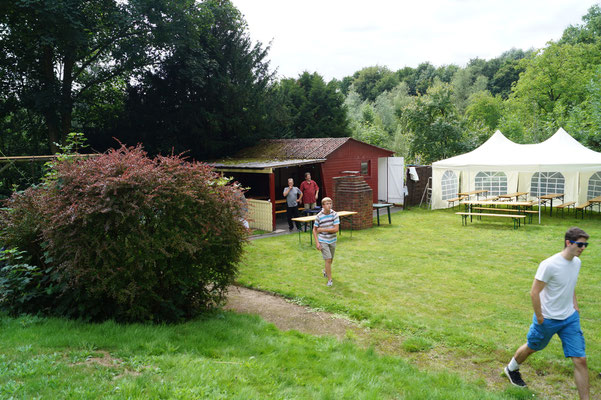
<point x="272" y="197"/>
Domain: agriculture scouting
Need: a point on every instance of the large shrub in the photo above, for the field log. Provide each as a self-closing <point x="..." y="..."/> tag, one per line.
<point x="134" y="238"/>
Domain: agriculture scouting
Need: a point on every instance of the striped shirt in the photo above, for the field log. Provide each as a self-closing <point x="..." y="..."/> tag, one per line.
<point x="327" y="221"/>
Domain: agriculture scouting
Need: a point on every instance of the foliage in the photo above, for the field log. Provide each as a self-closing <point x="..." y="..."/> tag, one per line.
<point x="433" y="122"/>
<point x="310" y="108"/>
<point x="484" y="108"/>
<point x="371" y="81"/>
<point x="588" y="32"/>
<point x="53" y="52"/>
<point x="211" y="94"/>
<point x="25" y="288"/>
<point x="131" y="238"/>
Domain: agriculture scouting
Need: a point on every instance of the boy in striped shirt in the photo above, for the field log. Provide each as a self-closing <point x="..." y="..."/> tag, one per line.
<point x="324" y="231"/>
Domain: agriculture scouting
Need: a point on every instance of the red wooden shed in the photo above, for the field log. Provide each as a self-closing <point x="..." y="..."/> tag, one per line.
<point x="281" y="159"/>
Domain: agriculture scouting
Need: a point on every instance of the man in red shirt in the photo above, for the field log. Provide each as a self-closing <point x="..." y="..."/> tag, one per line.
<point x="310" y="191"/>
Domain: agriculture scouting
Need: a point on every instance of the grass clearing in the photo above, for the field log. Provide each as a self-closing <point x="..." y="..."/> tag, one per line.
<point x="225" y="356"/>
<point x="440" y="289"/>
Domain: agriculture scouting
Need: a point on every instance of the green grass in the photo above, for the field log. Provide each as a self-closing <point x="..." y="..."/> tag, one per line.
<point x="439" y="286"/>
<point x="225" y="356"/>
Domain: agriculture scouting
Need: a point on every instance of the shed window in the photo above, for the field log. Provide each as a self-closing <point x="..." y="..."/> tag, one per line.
<point x="450" y="185"/>
<point x="594" y="186"/>
<point x="365" y="168"/>
<point x="550" y="182"/>
<point x="493" y="181"/>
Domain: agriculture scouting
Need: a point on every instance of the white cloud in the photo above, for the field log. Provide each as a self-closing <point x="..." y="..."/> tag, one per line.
<point x="337" y="38"/>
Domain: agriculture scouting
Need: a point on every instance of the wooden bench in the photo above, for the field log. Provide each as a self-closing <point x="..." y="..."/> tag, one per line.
<point x="456" y="199"/>
<point x="509" y="210"/>
<point x="516" y="217"/>
<point x="582" y="208"/>
<point x="567" y="204"/>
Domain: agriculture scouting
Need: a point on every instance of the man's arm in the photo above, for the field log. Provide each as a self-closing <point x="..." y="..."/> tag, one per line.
<point x="537" y="287"/>
<point x="315" y="230"/>
<point x="287" y="190"/>
<point x="576" y="303"/>
<point x="301" y="196"/>
<point x="333" y="229"/>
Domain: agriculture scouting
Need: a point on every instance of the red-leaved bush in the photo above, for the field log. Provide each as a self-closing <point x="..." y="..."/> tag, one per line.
<point x="137" y="239"/>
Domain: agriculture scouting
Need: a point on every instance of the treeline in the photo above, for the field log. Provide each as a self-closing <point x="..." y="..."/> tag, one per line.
<point x="428" y="113"/>
<point x="173" y="75"/>
<point x="184" y="75"/>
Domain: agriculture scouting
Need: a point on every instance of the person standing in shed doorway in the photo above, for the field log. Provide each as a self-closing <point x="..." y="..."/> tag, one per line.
<point x="310" y="192"/>
<point x="292" y="193"/>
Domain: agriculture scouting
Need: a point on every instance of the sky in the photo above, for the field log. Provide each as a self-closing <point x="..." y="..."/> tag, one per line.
<point x="336" y="38"/>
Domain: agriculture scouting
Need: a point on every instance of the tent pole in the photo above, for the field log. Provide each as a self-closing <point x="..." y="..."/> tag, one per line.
<point x="538" y="195"/>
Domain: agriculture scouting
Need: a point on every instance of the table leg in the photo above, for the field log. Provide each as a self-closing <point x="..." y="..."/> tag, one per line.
<point x="551" y="212"/>
<point x="378" y="214"/>
<point x="389" y="221"/>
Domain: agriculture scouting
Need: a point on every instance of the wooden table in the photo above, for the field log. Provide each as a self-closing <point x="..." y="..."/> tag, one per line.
<point x="510" y="195"/>
<point x="473" y="192"/>
<point x="550" y="197"/>
<point x="378" y="206"/>
<point x="311" y="218"/>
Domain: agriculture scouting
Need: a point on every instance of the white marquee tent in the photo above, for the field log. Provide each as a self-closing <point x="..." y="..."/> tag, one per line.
<point x="560" y="164"/>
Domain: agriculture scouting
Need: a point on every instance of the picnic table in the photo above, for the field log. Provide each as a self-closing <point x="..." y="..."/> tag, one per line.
<point x="511" y="195"/>
<point x="311" y="218"/>
<point x="550" y="197"/>
<point x="517" y="215"/>
<point x="378" y="206"/>
<point x="473" y="192"/>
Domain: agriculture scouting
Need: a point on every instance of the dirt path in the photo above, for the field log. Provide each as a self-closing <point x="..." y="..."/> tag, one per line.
<point x="287" y="315"/>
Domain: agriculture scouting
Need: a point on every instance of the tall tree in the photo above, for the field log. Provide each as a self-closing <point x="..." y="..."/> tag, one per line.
<point x="210" y="94"/>
<point x="434" y="125"/>
<point x="314" y="108"/>
<point x="54" y="51"/>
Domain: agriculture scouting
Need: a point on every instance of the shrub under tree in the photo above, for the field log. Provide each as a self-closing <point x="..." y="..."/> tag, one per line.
<point x="128" y="237"/>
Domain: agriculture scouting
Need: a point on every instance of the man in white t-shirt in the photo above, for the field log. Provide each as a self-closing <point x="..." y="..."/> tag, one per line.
<point x="556" y="311"/>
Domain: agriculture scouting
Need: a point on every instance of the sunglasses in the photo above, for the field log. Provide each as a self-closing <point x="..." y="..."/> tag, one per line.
<point x="579" y="244"/>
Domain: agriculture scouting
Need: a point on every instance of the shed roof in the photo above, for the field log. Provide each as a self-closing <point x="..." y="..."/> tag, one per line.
<point x="261" y="164"/>
<point x="310" y="148"/>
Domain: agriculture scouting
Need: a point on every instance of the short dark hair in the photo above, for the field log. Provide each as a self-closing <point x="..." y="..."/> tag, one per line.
<point x="574" y="233"/>
<point x="307" y="173"/>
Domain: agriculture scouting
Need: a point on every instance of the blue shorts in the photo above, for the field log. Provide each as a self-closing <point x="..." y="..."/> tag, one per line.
<point x="567" y="329"/>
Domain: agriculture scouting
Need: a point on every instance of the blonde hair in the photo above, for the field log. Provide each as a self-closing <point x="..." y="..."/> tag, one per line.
<point x="326" y="199"/>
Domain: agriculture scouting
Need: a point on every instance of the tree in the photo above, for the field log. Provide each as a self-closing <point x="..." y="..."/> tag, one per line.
<point x="553" y="83"/>
<point x="485" y="109"/>
<point x="432" y="122"/>
<point x="589" y="32"/>
<point x="466" y="82"/>
<point x="54" y="51"/>
<point x="212" y="92"/>
<point x="371" y="81"/>
<point x="314" y="108"/>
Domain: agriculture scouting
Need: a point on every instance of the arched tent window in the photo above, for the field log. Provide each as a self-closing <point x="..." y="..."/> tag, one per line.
<point x="594" y="186"/>
<point x="493" y="181"/>
<point x="550" y="182"/>
<point x="450" y="185"/>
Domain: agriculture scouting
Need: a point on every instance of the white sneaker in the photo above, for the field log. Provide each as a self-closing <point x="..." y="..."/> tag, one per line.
<point x="323" y="271"/>
<point x="329" y="283"/>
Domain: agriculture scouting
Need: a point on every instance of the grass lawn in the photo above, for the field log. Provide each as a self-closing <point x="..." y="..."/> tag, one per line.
<point x="447" y="292"/>
<point x="224" y="356"/>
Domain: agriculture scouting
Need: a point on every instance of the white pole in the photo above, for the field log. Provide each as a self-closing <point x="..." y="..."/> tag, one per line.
<point x="538" y="195"/>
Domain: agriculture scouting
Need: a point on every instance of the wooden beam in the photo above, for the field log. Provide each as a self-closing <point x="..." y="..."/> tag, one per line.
<point x="245" y="170"/>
